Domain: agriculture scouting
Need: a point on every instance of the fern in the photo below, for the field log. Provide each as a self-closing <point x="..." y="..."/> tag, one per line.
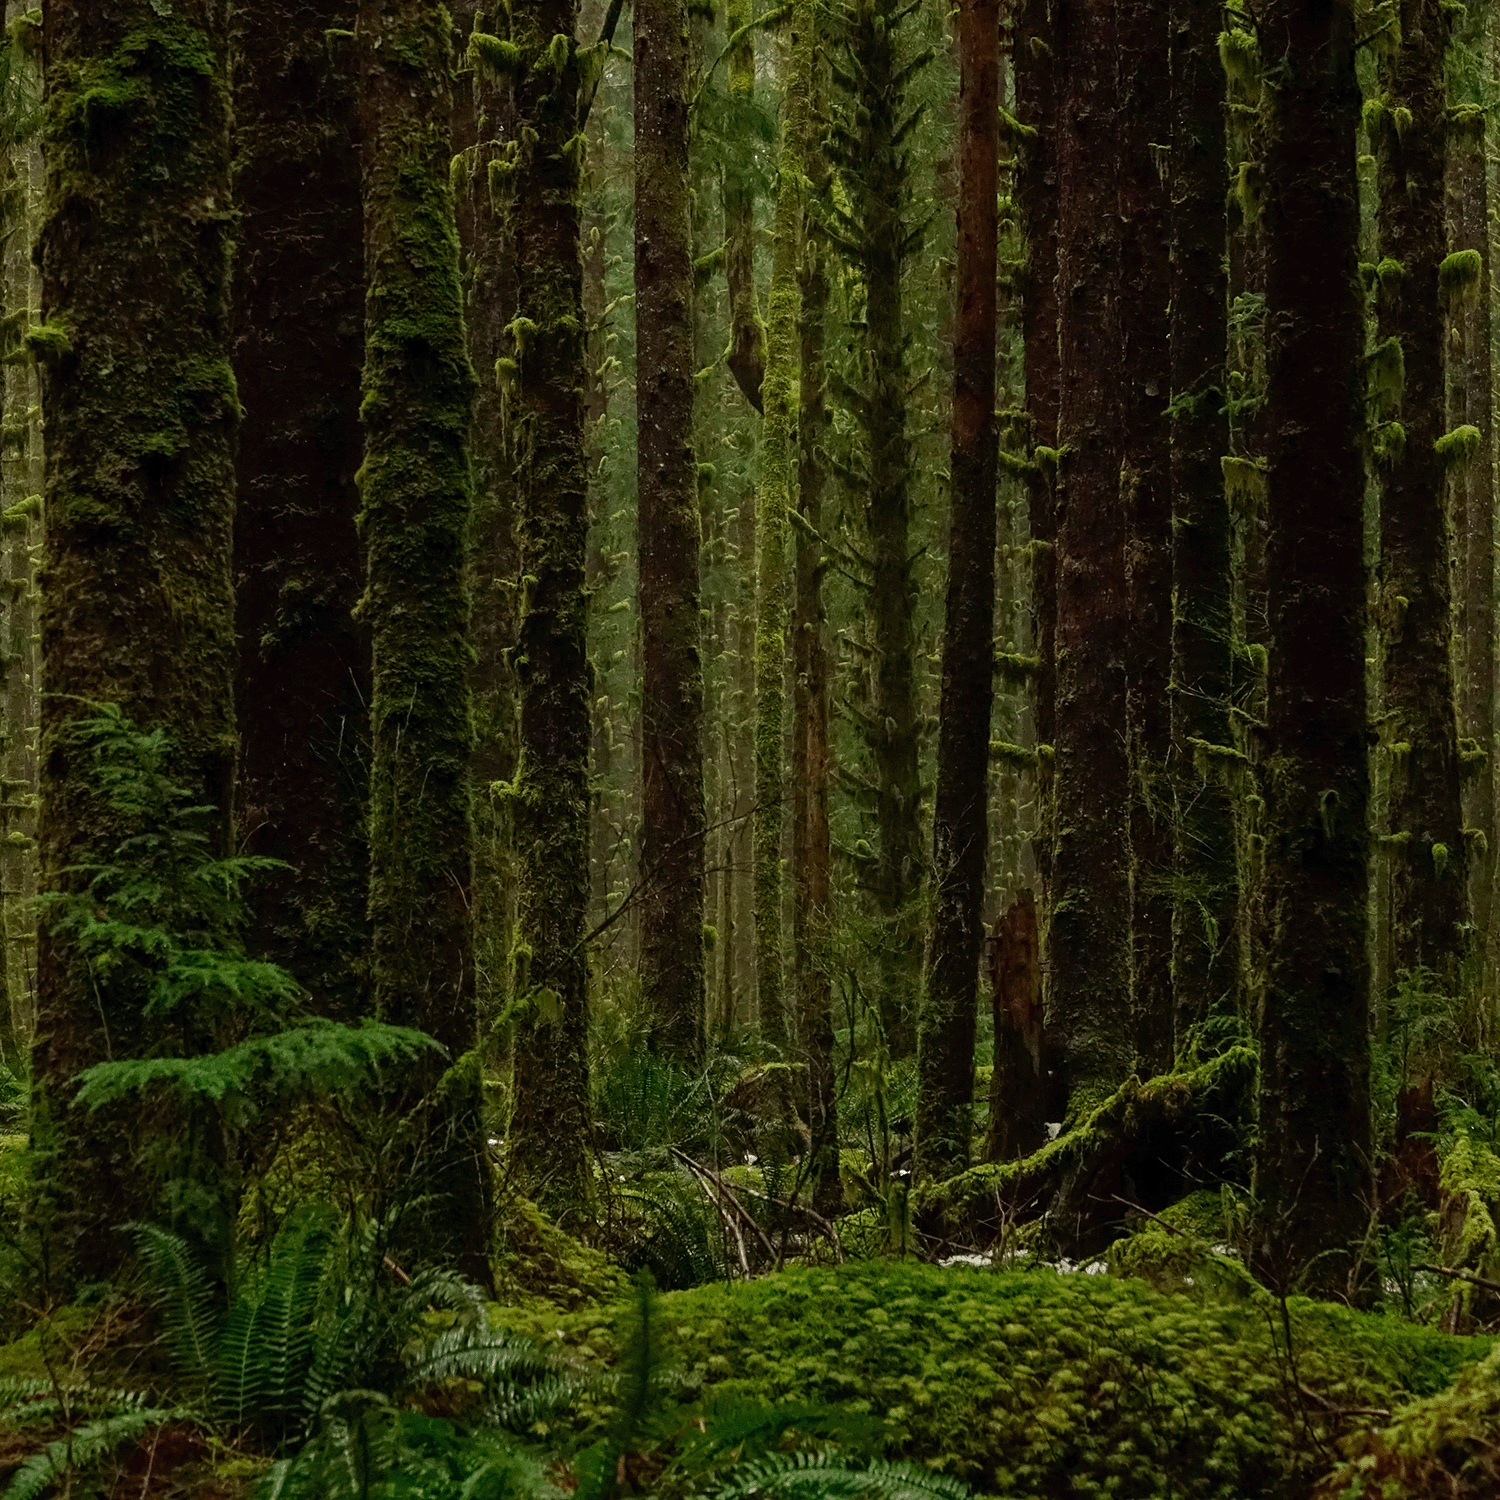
<point x="185" y="1296"/>
<point x="84" y="1446"/>
<point x="822" y="1476"/>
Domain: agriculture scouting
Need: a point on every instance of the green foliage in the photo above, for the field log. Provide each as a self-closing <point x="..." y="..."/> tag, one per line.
<point x="1037" y="1385"/>
<point x="154" y="919"/>
<point x="84" y="1445"/>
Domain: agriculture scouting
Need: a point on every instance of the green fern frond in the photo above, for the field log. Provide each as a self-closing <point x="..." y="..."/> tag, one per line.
<point x="823" y="1476"/>
<point x="185" y="1298"/>
<point x="85" y="1446"/>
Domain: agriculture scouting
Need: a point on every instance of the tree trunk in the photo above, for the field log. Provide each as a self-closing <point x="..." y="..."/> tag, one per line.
<point x="1420" y="730"/>
<point x="812" y="847"/>
<point x="672" y="839"/>
<point x="1470" y="402"/>
<point x="1205" y="960"/>
<point x="778" y="472"/>
<point x="1088" y="1006"/>
<point x="1146" y="495"/>
<point x="1035" y="51"/>
<point x="747" y="341"/>
<point x="550" y="1131"/>
<point x="877" y="236"/>
<point x="141" y="409"/>
<point x="304" y="662"/>
<point x="945" y="1057"/>
<point x="1313" y="1152"/>
<point x="418" y="387"/>
<point x="482" y="121"/>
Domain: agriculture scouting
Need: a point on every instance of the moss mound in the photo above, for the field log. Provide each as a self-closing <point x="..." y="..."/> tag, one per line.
<point x="1039" y="1386"/>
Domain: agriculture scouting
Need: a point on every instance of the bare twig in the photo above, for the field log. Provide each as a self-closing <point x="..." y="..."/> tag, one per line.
<point x="1488" y="1285"/>
<point x="724" y="1188"/>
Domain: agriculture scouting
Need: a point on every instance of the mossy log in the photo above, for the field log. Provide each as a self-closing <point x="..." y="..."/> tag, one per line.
<point x="1143" y="1146"/>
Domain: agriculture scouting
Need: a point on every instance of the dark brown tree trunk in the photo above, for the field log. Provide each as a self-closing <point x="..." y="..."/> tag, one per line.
<point x="140" y="408"/>
<point x="551" y="1131"/>
<point x="418" y="389"/>
<point x="1313" y="1154"/>
<point x="945" y="1056"/>
<point x="672" y="835"/>
<point x="304" y="662"/>
<point x="1471" y="403"/>
<point x="1088" y="1004"/>
<point x="1424" y="838"/>
<point x="1146" y="495"/>
<point x="1017" y="1085"/>
<point x="1204" y="935"/>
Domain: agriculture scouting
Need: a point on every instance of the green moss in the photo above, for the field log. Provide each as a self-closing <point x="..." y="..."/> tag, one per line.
<point x="1459" y="446"/>
<point x="1032" y="1385"/>
<point x="1458" y="277"/>
<point x="1244" y="478"/>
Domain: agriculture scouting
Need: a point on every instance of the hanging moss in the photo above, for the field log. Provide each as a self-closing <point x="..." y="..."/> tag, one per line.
<point x="1459" y="446"/>
<point x="1458" y="277"/>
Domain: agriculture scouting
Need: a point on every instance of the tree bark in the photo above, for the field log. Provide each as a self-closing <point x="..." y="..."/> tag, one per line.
<point x="1088" y="1005"/>
<point x="1313" y="1152"/>
<point x="482" y="123"/>
<point x="672" y="836"/>
<point x="945" y="1056"/>
<point x="1424" y="839"/>
<point x="747" y="340"/>
<point x="1471" y="403"/>
<point x="141" y="409"/>
<point x="303" y="677"/>
<point x="1205" y="920"/>
<point x="1145" y="99"/>
<point x="415" y="487"/>
<point x="551" y="1132"/>
<point x="877" y="236"/>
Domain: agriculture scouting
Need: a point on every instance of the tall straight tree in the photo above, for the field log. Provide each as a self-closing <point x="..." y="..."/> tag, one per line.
<point x="781" y="399"/>
<point x="672" y="834"/>
<point x="747" y="338"/>
<point x="1429" y="905"/>
<point x="812" y="751"/>
<point x="304" y="661"/>
<point x="873" y="68"/>
<point x="1313" y="1153"/>
<point x="1088" y="1005"/>
<point x="1146" y="496"/>
<point x="414" y="484"/>
<point x="945" y="1054"/>
<point x="140" y="405"/>
<point x="1205" y="920"/>
<point x="551" y="1133"/>
<point x="1471" y="403"/>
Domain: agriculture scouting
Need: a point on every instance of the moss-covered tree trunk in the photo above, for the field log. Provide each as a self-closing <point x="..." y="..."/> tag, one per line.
<point x="781" y="400"/>
<point x="1420" y="728"/>
<point x="1035" y="50"/>
<point x="673" y="817"/>
<point x="140" y="409"/>
<point x="486" y="266"/>
<point x="1088" y="1004"/>
<point x="878" y="236"/>
<point x="812" y="748"/>
<point x="1471" y="403"/>
<point x="1146" y="494"/>
<point x="303" y="678"/>
<point x="945" y="1055"/>
<point x="1205" y="967"/>
<point x="550" y="1130"/>
<point x="747" y="340"/>
<point x="1313" y="1154"/>
<point x="415" y="487"/>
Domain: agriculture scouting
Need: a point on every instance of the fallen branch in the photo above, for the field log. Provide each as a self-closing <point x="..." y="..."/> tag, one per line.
<point x="1485" y="1282"/>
